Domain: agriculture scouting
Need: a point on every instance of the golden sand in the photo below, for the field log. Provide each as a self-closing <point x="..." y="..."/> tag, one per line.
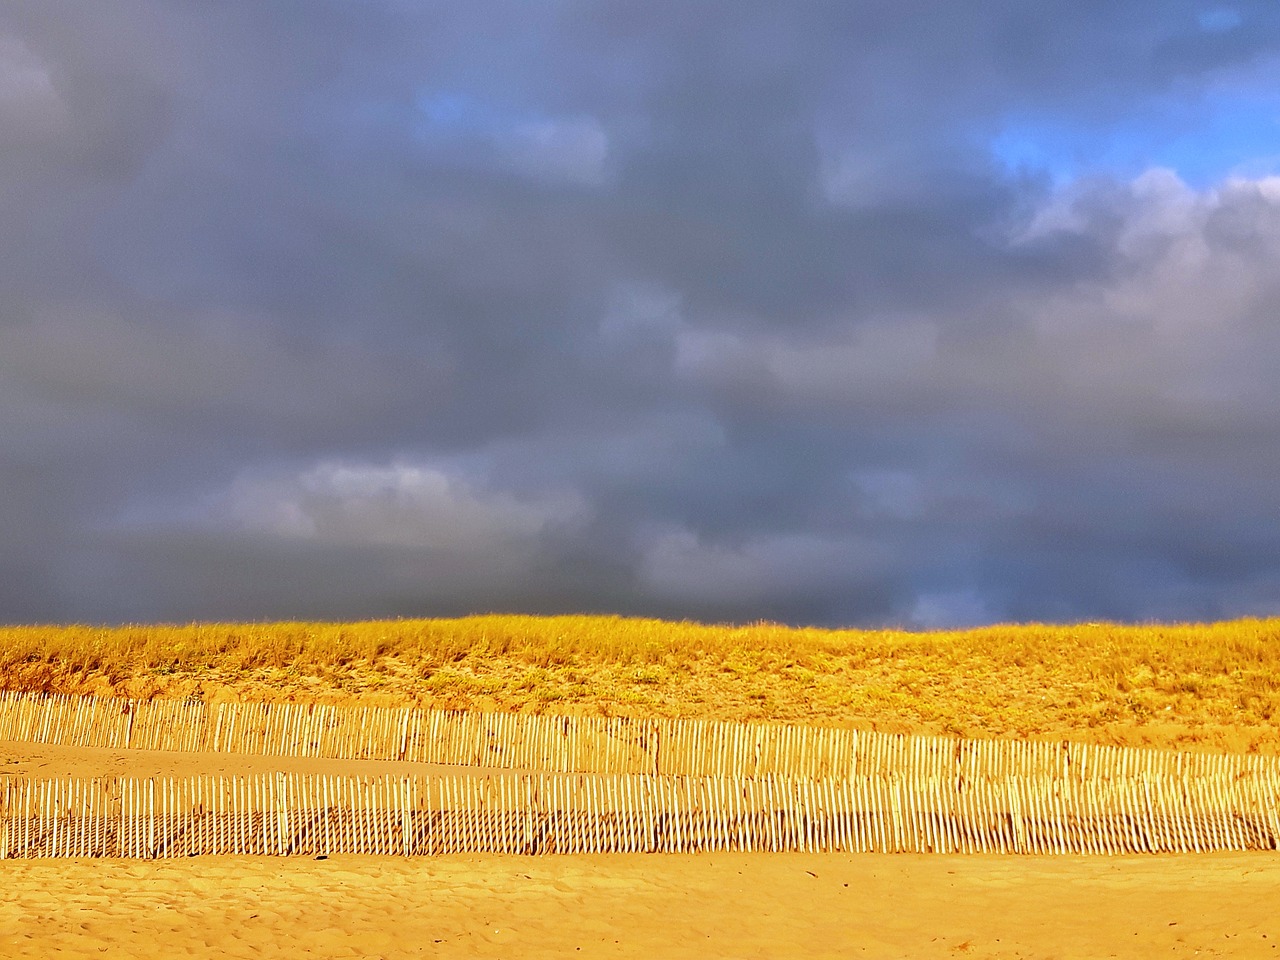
<point x="653" y="906"/>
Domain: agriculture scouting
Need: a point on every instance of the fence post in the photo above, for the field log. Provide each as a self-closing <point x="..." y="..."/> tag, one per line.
<point x="5" y="816"/>
<point x="282" y="814"/>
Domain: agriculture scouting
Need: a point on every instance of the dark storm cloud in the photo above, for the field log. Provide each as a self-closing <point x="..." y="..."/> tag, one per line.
<point x="723" y="310"/>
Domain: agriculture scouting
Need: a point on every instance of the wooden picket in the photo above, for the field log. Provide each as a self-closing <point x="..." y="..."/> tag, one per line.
<point x="612" y="784"/>
<point x="621" y="745"/>
<point x="292" y="814"/>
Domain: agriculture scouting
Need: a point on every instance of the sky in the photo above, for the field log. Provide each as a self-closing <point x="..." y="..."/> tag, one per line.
<point x="856" y="313"/>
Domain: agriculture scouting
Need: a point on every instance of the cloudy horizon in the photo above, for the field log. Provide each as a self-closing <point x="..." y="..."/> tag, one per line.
<point x="826" y="313"/>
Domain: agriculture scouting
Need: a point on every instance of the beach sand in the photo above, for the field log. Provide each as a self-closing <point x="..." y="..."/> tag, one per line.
<point x="707" y="906"/>
<point x="714" y="905"/>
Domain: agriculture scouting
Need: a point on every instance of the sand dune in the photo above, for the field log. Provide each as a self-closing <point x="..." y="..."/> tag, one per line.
<point x="707" y="906"/>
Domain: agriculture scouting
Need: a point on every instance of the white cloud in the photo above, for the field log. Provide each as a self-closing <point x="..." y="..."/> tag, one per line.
<point x="570" y="150"/>
<point x="213" y="361"/>
<point x="399" y="504"/>
<point x="863" y="361"/>
<point x="347" y="538"/>
<point x="680" y="566"/>
<point x="856" y="174"/>
<point x="1182" y="323"/>
<point x="1179" y="326"/>
<point x="948" y="609"/>
<point x="23" y="76"/>
<point x="892" y="494"/>
<point x="29" y="101"/>
<point x="638" y="310"/>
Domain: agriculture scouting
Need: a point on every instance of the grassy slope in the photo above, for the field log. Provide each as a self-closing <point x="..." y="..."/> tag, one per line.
<point x="1211" y="685"/>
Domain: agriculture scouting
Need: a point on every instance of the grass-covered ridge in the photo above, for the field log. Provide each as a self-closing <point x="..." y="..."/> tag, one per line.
<point x="1206" y="683"/>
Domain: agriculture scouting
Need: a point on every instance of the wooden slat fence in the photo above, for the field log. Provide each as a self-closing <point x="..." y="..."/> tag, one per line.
<point x="615" y="745"/>
<point x="317" y="815"/>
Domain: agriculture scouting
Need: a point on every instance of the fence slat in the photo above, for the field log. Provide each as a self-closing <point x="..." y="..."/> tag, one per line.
<point x="614" y="784"/>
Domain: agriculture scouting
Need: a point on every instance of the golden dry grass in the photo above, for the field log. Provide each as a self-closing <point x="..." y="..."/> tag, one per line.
<point x="1202" y="684"/>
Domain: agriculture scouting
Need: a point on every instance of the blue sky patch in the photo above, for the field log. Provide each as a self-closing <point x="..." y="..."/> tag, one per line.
<point x="1225" y="134"/>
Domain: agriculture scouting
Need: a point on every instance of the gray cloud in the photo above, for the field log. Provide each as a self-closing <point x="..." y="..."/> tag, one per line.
<point x="722" y="310"/>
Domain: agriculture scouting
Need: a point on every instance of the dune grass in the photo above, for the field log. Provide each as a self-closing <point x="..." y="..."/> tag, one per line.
<point x="1160" y="684"/>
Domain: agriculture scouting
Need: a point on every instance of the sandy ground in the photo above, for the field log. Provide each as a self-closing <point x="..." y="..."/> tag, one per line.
<point x="706" y="906"/>
<point x="660" y="906"/>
